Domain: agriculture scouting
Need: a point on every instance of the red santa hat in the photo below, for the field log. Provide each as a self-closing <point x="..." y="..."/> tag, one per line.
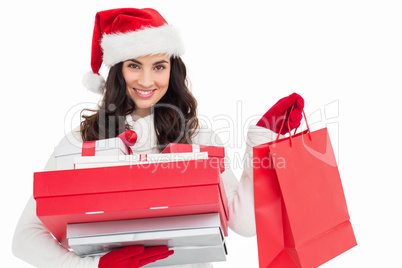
<point x="128" y="33"/>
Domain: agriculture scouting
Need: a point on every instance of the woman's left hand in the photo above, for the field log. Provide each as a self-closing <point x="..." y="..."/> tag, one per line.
<point x="273" y="118"/>
<point x="133" y="256"/>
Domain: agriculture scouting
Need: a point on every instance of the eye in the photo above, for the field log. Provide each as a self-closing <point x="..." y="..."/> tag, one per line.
<point x="133" y="66"/>
<point x="159" y="68"/>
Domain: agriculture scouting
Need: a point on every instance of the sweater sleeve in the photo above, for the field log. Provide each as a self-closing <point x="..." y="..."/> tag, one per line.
<point x="34" y="244"/>
<point x="240" y="193"/>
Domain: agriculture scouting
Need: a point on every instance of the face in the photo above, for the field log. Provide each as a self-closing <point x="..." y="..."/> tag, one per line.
<point x="147" y="80"/>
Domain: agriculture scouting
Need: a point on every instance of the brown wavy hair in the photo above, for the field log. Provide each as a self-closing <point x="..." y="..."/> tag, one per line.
<point x="175" y="116"/>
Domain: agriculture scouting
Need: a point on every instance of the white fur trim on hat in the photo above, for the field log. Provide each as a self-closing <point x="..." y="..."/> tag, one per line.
<point x="148" y="41"/>
<point x="94" y="82"/>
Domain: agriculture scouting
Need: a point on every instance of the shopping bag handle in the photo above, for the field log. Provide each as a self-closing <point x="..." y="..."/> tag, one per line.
<point x="287" y="119"/>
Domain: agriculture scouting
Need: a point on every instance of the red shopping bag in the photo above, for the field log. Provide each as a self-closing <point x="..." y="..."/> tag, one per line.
<point x="301" y="215"/>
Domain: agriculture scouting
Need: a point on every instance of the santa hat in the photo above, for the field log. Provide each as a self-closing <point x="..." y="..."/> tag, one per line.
<point x="128" y="33"/>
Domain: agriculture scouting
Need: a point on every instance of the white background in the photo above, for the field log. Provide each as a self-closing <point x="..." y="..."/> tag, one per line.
<point x="242" y="56"/>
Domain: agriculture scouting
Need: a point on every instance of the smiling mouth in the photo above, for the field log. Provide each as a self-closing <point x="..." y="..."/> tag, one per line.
<point x="144" y="93"/>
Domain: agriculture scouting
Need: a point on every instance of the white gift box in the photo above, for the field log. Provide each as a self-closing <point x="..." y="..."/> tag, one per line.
<point x="135" y="159"/>
<point x="194" y="238"/>
<point x="108" y="147"/>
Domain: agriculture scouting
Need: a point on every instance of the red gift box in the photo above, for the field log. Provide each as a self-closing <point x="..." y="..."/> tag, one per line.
<point x="128" y="192"/>
<point x="216" y="153"/>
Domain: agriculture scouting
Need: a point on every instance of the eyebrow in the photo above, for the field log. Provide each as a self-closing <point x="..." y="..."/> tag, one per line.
<point x="156" y="63"/>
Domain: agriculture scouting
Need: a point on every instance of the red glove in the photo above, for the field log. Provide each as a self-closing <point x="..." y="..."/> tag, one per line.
<point x="133" y="256"/>
<point x="273" y="118"/>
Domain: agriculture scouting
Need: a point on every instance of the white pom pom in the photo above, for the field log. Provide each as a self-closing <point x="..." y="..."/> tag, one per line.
<point x="94" y="82"/>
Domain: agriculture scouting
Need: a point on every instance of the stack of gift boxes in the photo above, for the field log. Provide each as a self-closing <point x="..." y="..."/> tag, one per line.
<point x="113" y="197"/>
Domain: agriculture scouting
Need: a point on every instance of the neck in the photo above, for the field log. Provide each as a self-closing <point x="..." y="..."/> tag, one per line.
<point x="141" y="112"/>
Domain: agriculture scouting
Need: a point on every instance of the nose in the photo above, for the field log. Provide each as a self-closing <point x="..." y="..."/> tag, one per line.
<point x="146" y="79"/>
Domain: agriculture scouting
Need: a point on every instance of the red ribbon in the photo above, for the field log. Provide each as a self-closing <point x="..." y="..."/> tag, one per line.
<point x="88" y="148"/>
<point x="128" y="137"/>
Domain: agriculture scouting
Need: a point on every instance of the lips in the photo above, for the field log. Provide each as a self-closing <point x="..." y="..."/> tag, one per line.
<point x="144" y="93"/>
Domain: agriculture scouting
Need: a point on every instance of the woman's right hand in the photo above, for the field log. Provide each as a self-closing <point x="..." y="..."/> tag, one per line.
<point x="274" y="117"/>
<point x="133" y="256"/>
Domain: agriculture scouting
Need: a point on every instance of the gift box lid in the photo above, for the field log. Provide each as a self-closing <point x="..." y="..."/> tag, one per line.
<point x="213" y="151"/>
<point x="125" y="178"/>
<point x="174" y="239"/>
<point x="143" y="225"/>
<point x="134" y="159"/>
<point x="100" y="145"/>
<point x="217" y="153"/>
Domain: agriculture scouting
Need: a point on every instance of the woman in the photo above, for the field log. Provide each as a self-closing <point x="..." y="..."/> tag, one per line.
<point x="146" y="91"/>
